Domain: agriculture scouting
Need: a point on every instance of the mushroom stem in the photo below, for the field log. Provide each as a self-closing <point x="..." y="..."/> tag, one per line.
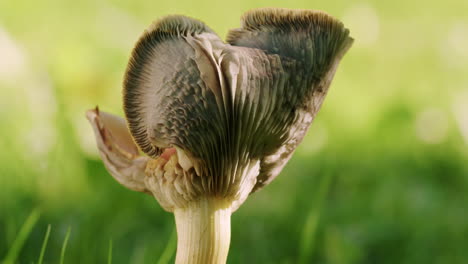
<point x="203" y="231"/>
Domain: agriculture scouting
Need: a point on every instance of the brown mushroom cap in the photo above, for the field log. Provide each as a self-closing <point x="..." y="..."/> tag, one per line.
<point x="235" y="112"/>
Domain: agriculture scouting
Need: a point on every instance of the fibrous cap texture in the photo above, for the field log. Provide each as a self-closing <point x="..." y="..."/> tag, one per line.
<point x="230" y="114"/>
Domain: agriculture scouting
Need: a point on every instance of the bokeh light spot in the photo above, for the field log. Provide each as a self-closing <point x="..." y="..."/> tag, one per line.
<point x="363" y="21"/>
<point x="432" y="126"/>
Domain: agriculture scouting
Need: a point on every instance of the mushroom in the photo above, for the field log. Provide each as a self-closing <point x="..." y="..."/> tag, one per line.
<point x="217" y="121"/>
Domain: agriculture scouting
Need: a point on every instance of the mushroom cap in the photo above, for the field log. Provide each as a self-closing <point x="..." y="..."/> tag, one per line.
<point x="235" y="111"/>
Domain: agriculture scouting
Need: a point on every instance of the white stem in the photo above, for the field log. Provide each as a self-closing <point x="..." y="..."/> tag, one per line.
<point x="203" y="232"/>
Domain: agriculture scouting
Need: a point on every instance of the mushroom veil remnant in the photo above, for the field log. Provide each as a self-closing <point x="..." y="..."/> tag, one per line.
<point x="209" y="122"/>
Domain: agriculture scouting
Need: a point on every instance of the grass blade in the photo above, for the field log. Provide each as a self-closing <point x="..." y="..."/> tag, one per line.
<point x="306" y="246"/>
<point x="44" y="245"/>
<point x="23" y="234"/>
<point x="64" y="245"/>
<point x="109" y="254"/>
<point x="170" y="249"/>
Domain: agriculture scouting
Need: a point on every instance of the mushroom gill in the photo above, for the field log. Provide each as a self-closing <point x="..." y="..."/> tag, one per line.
<point x="218" y="121"/>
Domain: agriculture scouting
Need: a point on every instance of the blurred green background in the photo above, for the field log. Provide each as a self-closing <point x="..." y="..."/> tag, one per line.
<point x="382" y="176"/>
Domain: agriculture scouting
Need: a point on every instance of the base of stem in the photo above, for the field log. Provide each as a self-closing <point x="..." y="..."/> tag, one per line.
<point x="203" y="231"/>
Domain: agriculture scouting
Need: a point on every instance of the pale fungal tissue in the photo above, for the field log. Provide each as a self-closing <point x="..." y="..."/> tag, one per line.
<point x="209" y="122"/>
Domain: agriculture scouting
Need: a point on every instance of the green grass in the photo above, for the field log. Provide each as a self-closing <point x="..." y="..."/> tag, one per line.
<point x="309" y="231"/>
<point x="23" y="234"/>
<point x="44" y="245"/>
<point x="109" y="254"/>
<point x="170" y="249"/>
<point x="64" y="246"/>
